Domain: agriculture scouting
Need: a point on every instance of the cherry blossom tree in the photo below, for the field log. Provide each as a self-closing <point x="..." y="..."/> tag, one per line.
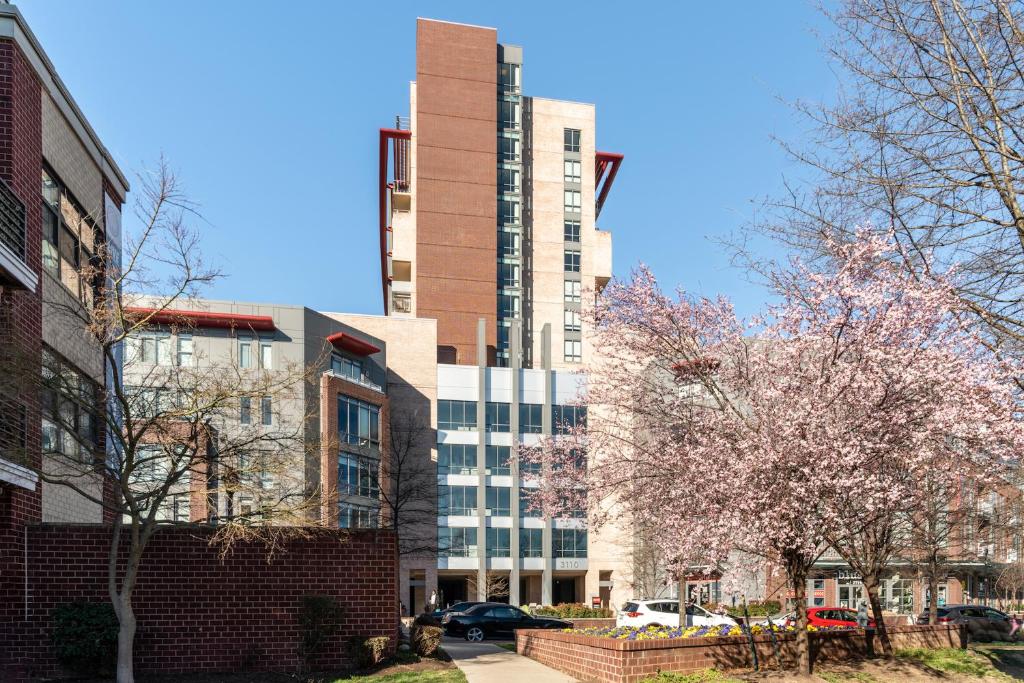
<point x="809" y="425"/>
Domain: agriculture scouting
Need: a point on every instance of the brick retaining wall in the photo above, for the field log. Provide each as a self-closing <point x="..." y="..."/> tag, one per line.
<point x="623" y="661"/>
<point x="199" y="612"/>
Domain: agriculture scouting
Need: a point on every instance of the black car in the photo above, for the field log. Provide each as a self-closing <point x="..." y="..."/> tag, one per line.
<point x="494" y="619"/>
<point x="983" y="623"/>
<point x="454" y="607"/>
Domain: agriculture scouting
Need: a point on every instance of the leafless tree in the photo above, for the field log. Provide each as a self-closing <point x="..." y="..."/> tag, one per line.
<point x="408" y="483"/>
<point x="927" y="140"/>
<point x="496" y="585"/>
<point x="172" y="428"/>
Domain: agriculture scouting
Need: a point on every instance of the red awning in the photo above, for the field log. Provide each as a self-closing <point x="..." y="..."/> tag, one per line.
<point x="352" y="344"/>
<point x="261" y="323"/>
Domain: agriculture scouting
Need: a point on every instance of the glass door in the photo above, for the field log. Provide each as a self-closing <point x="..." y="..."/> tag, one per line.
<point x="850" y="594"/>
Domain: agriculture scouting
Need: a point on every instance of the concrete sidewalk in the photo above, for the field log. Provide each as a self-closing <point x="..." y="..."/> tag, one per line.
<point x="488" y="663"/>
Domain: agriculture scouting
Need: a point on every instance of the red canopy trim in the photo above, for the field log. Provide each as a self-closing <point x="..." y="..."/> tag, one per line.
<point x="352" y="344"/>
<point x="261" y="323"/>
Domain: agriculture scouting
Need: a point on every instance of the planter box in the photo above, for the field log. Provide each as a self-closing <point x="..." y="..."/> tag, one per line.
<point x="593" y="622"/>
<point x="592" y="658"/>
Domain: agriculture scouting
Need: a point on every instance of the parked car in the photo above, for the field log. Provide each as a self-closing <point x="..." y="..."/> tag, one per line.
<point x="454" y="607"/>
<point x="641" y="613"/>
<point x="780" y="619"/>
<point x="983" y="623"/>
<point x="494" y="619"/>
<point x="830" y="616"/>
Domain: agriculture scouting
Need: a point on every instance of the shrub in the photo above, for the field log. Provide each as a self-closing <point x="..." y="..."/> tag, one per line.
<point x="366" y="652"/>
<point x="426" y="640"/>
<point x="85" y="636"/>
<point x="426" y="619"/>
<point x="573" y="610"/>
<point x="756" y="609"/>
<point x="320" y="618"/>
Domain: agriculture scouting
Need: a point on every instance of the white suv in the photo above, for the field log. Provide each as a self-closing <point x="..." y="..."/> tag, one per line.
<point x="640" y="613"/>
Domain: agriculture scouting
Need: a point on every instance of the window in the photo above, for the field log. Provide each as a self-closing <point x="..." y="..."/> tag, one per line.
<point x="151" y="348"/>
<point x="565" y="418"/>
<point x="497" y="419"/>
<point x="509" y="114"/>
<point x="150" y="402"/>
<point x="572" y="261"/>
<point x="498" y="501"/>
<point x="572" y="171"/>
<point x="456" y="500"/>
<point x="245" y="410"/>
<point x="524" y="504"/>
<point x="572" y="321"/>
<point x="508" y="305"/>
<point x="456" y="542"/>
<point x="567" y="512"/>
<point x="508" y="275"/>
<point x="347" y="367"/>
<point x="508" y="77"/>
<point x="184" y="350"/>
<point x="508" y="149"/>
<point x="71" y="408"/>
<point x="358" y="475"/>
<point x="358" y="422"/>
<point x="572" y="140"/>
<point x="351" y="516"/>
<point x="569" y="542"/>
<point x="573" y="291"/>
<point x="70" y="239"/>
<point x="572" y="231"/>
<point x="508" y="180"/>
<point x="573" y="351"/>
<point x="266" y="354"/>
<point x="508" y="212"/>
<point x="456" y="458"/>
<point x="456" y="415"/>
<point x="497" y="460"/>
<point x="498" y="542"/>
<point x="503" y="343"/>
<point x="573" y="201"/>
<point x="531" y="543"/>
<point x="244" y="352"/>
<point x="266" y="411"/>
<point x="530" y="418"/>
<point x="508" y="244"/>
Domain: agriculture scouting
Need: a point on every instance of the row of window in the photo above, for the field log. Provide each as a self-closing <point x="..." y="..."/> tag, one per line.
<point x="358" y="422"/>
<point x="347" y="367"/>
<point x="154" y="347"/>
<point x="352" y="516"/>
<point x="358" y="476"/>
<point x="459" y="458"/>
<point x="461" y="415"/>
<point x="463" y="501"/>
<point x="462" y="542"/>
<point x="70" y="239"/>
<point x="72" y="411"/>
<point x="266" y="410"/>
<point x="572" y="351"/>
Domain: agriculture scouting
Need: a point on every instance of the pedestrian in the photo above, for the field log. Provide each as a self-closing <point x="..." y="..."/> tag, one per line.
<point x="862" y="614"/>
<point x="432" y="604"/>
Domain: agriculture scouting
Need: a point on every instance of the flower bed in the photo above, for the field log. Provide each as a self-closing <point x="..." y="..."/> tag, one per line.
<point x="668" y="632"/>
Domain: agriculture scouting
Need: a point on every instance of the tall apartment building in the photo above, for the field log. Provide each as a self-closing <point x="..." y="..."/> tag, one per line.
<point x="60" y="199"/>
<point x="488" y="206"/>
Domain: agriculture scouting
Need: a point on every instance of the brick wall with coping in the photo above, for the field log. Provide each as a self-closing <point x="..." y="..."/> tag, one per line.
<point x="594" y="658"/>
<point x="198" y="611"/>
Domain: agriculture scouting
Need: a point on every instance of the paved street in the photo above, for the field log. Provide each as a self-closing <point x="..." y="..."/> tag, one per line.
<point x="487" y="663"/>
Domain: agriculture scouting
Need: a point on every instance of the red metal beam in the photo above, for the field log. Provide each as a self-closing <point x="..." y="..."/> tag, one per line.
<point x="610" y="162"/>
<point x="386" y="134"/>
<point x="261" y="323"/>
<point x="352" y="344"/>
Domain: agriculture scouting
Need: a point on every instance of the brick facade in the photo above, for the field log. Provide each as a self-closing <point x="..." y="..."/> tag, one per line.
<point x="591" y="658"/>
<point x="200" y="612"/>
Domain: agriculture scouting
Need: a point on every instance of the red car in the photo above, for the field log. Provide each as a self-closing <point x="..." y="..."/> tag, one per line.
<point x="831" y="616"/>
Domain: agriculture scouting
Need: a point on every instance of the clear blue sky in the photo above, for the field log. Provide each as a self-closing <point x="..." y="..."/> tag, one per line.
<point x="269" y="112"/>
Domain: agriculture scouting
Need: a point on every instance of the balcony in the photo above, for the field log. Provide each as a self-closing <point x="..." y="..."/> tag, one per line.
<point x="14" y="271"/>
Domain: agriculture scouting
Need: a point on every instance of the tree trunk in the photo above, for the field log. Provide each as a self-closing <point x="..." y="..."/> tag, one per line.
<point x="126" y="641"/>
<point x="933" y="599"/>
<point x="871" y="584"/>
<point x="798" y="579"/>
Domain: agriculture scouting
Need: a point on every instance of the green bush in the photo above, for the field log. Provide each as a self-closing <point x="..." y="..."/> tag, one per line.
<point x="756" y="609"/>
<point x="426" y="640"/>
<point x="320" y="617"/>
<point x="366" y="652"/>
<point x="573" y="610"/>
<point x="85" y="636"/>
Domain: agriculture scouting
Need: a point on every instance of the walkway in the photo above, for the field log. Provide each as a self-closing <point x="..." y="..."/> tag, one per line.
<point x="488" y="663"/>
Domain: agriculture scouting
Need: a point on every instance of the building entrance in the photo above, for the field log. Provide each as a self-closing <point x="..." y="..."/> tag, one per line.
<point x="451" y="591"/>
<point x="563" y="591"/>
